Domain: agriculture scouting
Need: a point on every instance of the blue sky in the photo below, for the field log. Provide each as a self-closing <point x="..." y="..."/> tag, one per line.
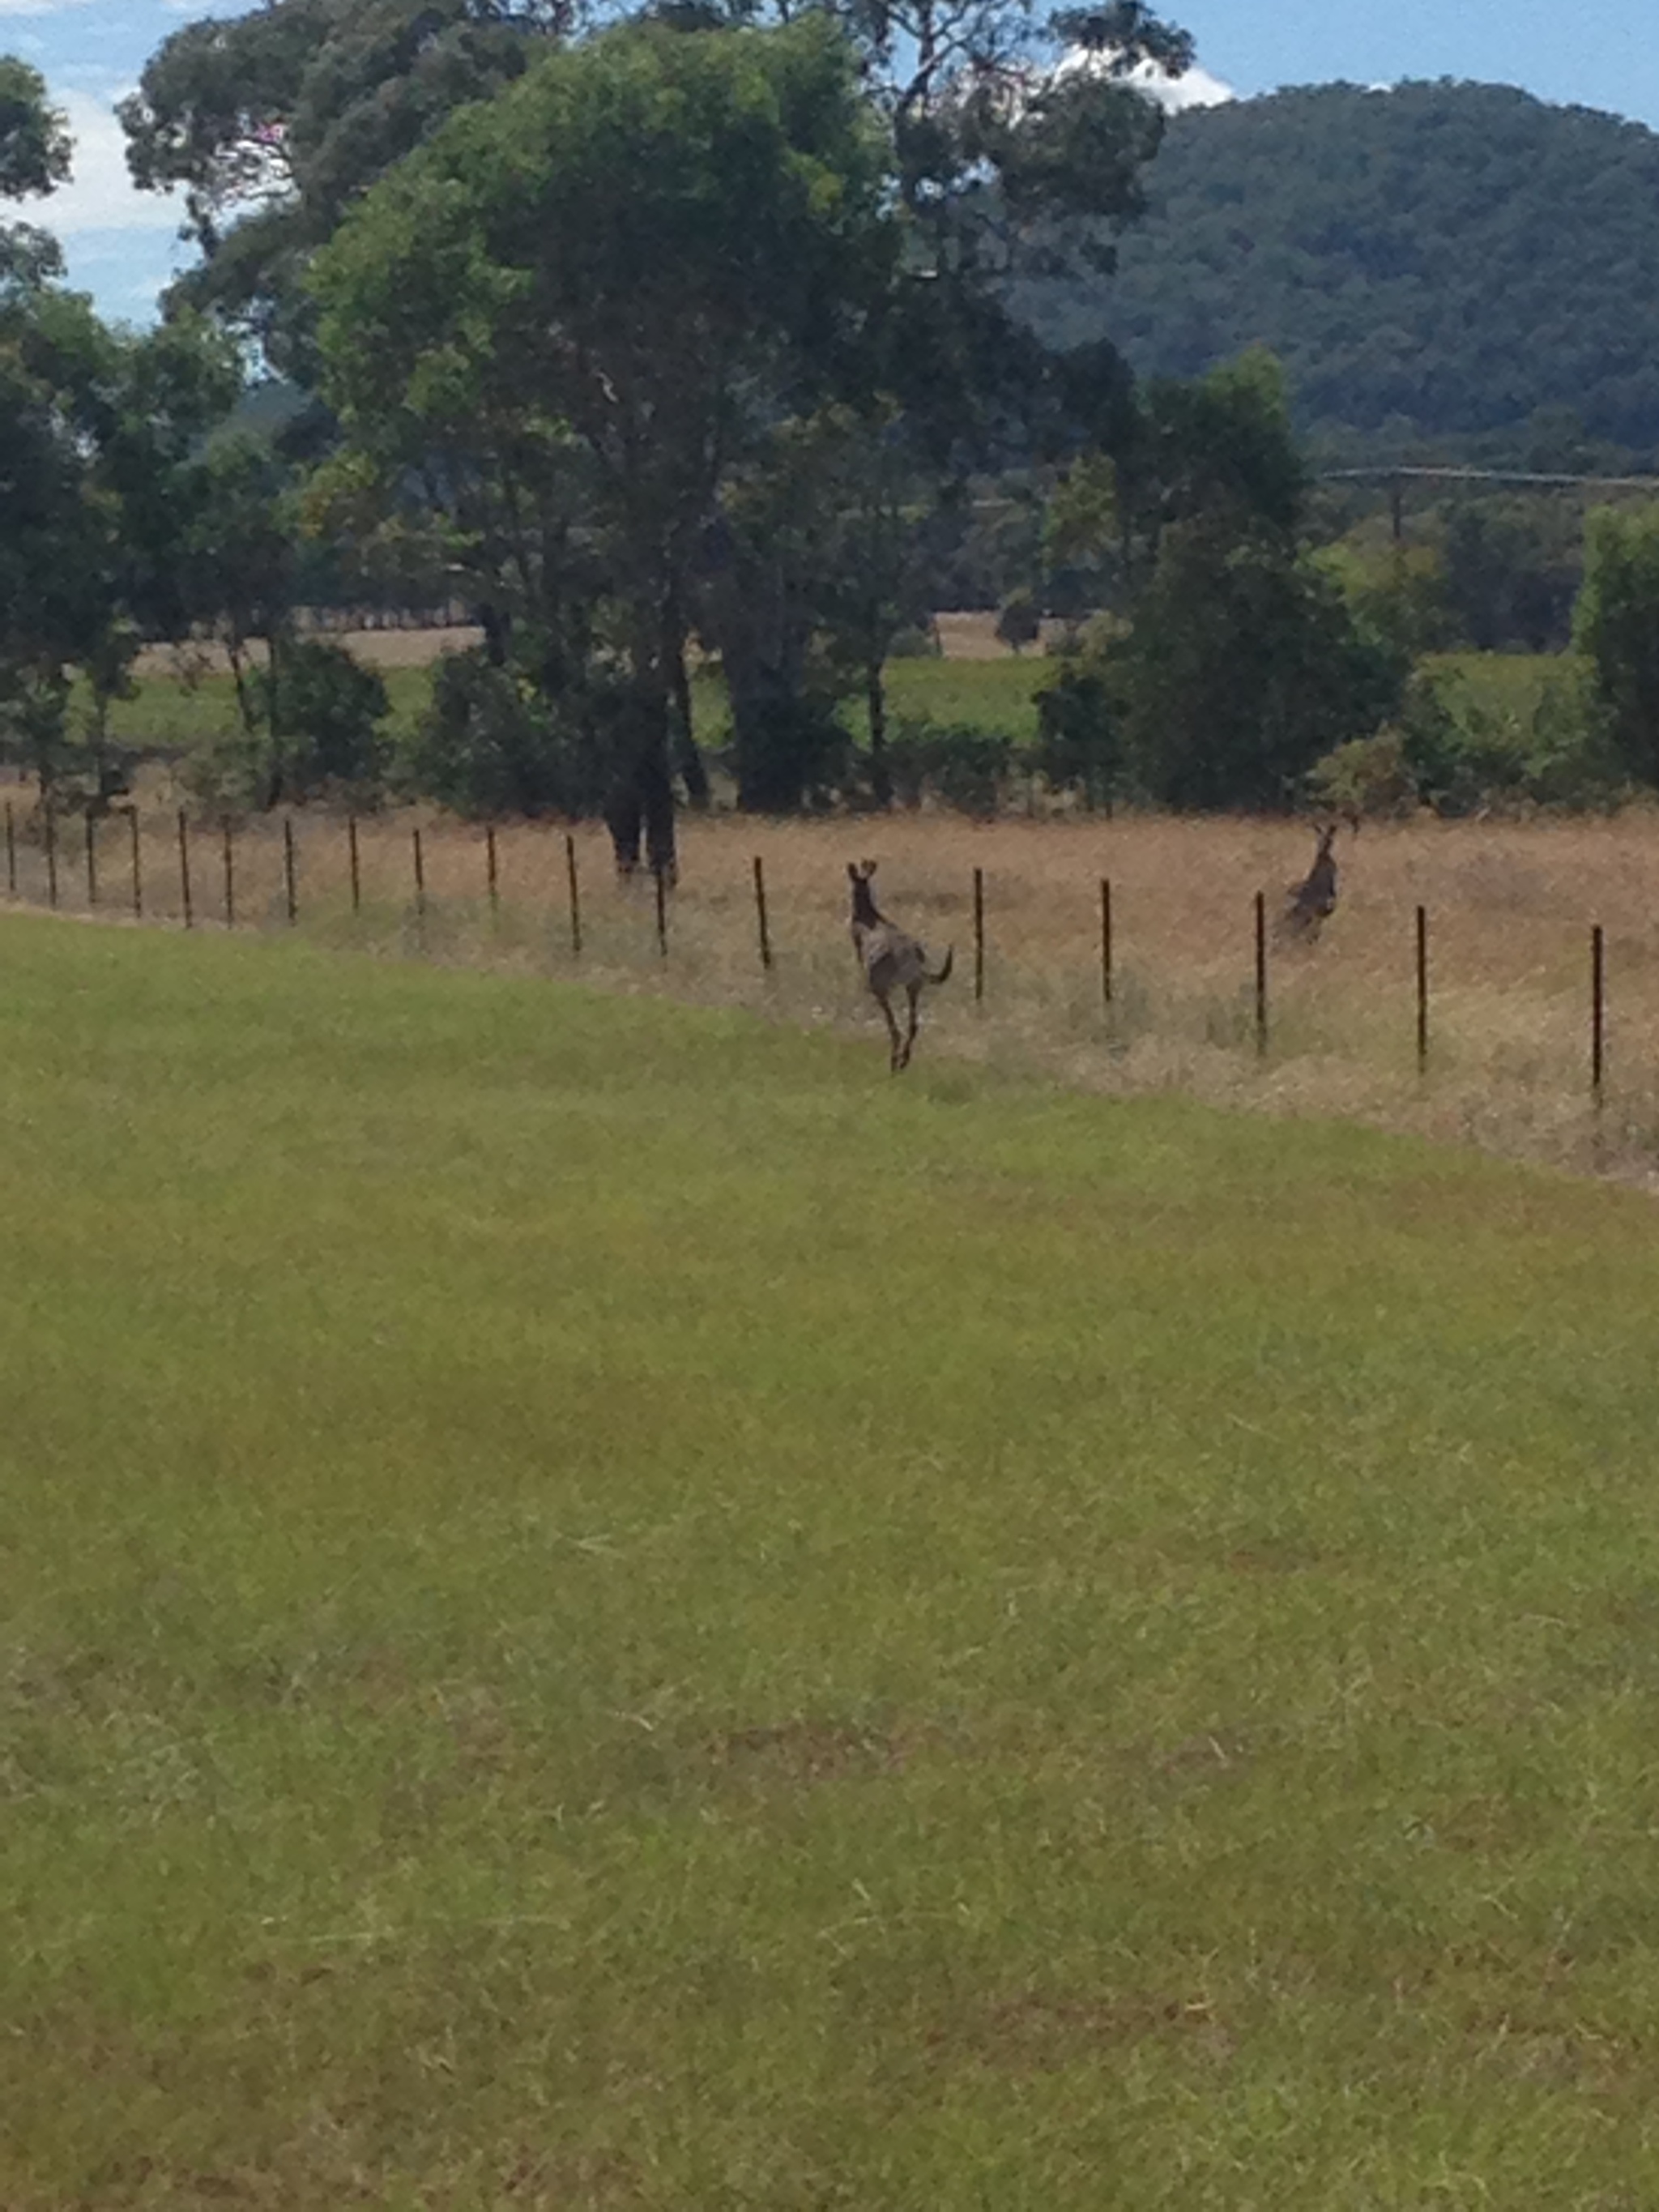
<point x="1602" y="53"/>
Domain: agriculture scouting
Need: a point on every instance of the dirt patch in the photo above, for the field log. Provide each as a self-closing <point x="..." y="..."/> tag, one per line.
<point x="375" y="648"/>
<point x="1040" y="2032"/>
<point x="974" y="637"/>
<point x="808" y="1751"/>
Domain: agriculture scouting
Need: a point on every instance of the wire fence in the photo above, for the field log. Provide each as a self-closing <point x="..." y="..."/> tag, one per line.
<point x="444" y="891"/>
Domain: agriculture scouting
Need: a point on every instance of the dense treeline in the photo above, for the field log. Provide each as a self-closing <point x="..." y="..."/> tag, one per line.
<point x="679" y="337"/>
<point x="1435" y="263"/>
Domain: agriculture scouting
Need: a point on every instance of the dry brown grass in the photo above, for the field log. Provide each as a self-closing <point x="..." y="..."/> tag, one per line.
<point x="1511" y="907"/>
<point x="379" y="648"/>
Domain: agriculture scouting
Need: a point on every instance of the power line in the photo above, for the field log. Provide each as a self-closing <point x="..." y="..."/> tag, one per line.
<point x="1398" y="476"/>
<point x="1384" y="474"/>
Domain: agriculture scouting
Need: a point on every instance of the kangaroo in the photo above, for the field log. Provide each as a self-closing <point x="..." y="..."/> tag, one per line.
<point x="1313" y="901"/>
<point x="892" y="961"/>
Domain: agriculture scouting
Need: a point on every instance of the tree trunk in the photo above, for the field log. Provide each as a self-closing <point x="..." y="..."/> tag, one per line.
<point x="690" y="759"/>
<point x="276" y="772"/>
<point x="494" y="624"/>
<point x="875" y="692"/>
<point x="640" y="809"/>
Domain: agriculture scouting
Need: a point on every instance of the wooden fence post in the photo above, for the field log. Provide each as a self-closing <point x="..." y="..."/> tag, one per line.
<point x="230" y="873"/>
<point x="51" y="855"/>
<point x="1598" y="1012"/>
<point x="1106" y="939"/>
<point x="137" y="866"/>
<point x="356" y="872"/>
<point x="420" y="877"/>
<point x="290" y="874"/>
<point x="11" y="852"/>
<point x="92" y="860"/>
<point x="491" y="871"/>
<point x="661" y="876"/>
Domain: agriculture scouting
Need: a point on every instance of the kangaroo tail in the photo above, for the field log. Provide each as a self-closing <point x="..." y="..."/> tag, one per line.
<point x="943" y="975"/>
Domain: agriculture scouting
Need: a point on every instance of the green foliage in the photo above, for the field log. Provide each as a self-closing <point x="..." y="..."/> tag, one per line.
<point x="309" y="727"/>
<point x="487" y="746"/>
<point x="960" y="765"/>
<point x="1458" y="746"/>
<point x="1513" y="570"/>
<point x="1221" y="447"/>
<point x="1241" y="663"/>
<point x="1438" y="261"/>
<point x="273" y="121"/>
<point x="99" y="432"/>
<point x="34" y="143"/>
<point x="1019" y="620"/>
<point x="1616" y="628"/>
<point x="728" y="188"/>
<point x="1079" y="745"/>
<point x="1243" y="668"/>
<point x="1400" y="593"/>
<point x="327" y="709"/>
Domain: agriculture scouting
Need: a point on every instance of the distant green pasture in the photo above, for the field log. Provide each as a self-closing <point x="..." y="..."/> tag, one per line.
<point x="995" y="694"/>
<point x="604" y="1607"/>
<point x="167" y="713"/>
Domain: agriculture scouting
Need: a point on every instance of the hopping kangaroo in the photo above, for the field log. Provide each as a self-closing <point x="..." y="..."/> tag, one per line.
<point x="1313" y="901"/>
<point x="891" y="960"/>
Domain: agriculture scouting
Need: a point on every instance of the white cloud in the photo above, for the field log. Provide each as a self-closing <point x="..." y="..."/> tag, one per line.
<point x="39" y="7"/>
<point x="1197" y="89"/>
<point x="100" y="195"/>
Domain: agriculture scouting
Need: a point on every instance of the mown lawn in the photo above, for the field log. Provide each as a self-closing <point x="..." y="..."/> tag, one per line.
<point x="603" y="1608"/>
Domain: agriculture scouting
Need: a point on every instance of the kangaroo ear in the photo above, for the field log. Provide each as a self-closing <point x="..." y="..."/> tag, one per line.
<point x="853" y="875"/>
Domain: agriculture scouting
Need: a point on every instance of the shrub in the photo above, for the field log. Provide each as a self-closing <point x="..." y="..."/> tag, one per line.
<point x="1080" y="742"/>
<point x="484" y="745"/>
<point x="1616" y="627"/>
<point x="1459" y="755"/>
<point x="1019" y="623"/>
<point x="957" y="764"/>
<point x="321" y="711"/>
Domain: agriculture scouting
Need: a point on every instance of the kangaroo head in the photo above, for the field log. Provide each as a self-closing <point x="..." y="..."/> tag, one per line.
<point x="864" y="903"/>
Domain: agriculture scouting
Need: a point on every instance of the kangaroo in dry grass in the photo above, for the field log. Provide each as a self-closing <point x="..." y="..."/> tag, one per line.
<point x="891" y="960"/>
<point x="1313" y="901"/>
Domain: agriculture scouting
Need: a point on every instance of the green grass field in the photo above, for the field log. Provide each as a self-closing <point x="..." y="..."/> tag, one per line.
<point x="604" y="1607"/>
<point x="994" y="694"/>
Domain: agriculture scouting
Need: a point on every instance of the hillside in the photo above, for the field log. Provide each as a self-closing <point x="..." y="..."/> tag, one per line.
<point x="1439" y="262"/>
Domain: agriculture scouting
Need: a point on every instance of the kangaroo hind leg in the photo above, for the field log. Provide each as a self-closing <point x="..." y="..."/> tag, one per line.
<point x="915" y="994"/>
<point x="895" y="1056"/>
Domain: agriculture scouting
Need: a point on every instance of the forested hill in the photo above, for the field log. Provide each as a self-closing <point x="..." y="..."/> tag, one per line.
<point x="1435" y="263"/>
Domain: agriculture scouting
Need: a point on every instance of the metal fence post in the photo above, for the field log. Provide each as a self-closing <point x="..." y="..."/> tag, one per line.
<point x="1260" y="974"/>
<point x="184" y="869"/>
<point x="760" y="913"/>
